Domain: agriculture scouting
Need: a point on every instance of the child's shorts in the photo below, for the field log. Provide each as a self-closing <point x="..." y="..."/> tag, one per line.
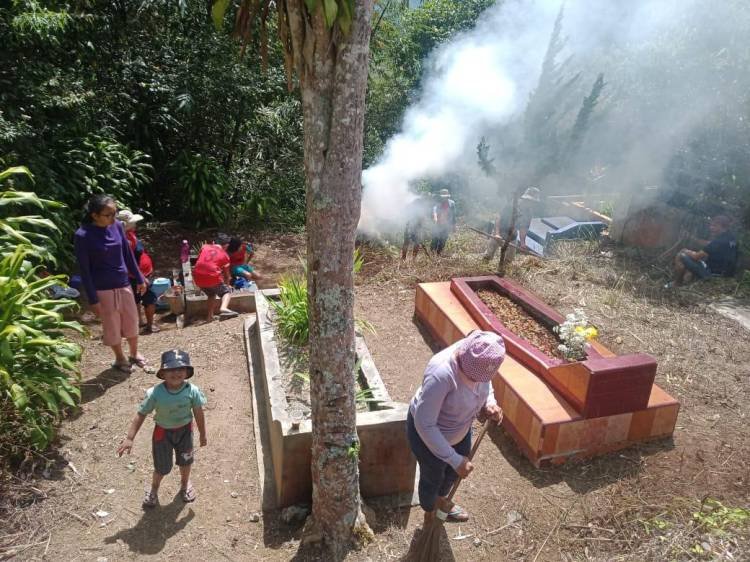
<point x="165" y="441"/>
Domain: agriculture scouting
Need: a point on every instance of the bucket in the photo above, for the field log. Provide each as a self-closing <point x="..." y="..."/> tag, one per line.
<point x="160" y="285"/>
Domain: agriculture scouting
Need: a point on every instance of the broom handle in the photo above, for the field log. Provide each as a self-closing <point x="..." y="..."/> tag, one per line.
<point x="474" y="448"/>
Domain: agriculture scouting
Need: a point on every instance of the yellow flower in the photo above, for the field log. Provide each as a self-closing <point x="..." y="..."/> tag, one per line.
<point x="590" y="333"/>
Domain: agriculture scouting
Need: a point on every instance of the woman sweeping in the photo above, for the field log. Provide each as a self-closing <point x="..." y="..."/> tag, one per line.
<point x="105" y="259"/>
<point x="455" y="389"/>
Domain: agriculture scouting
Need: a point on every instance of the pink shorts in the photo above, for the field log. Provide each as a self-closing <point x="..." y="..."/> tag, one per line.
<point x="119" y="315"/>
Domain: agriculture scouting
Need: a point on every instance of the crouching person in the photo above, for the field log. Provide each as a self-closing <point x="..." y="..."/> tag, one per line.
<point x="175" y="402"/>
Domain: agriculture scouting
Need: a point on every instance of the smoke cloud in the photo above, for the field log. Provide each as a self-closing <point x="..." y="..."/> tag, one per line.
<point x="674" y="69"/>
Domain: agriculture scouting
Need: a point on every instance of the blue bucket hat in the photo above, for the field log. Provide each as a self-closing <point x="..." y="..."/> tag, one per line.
<point x="175" y="359"/>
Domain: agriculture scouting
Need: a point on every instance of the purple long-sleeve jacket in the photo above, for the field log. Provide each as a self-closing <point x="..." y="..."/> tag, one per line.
<point x="105" y="258"/>
<point x="444" y="406"/>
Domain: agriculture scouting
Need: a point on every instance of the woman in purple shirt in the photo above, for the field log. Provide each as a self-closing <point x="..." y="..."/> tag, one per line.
<point x="455" y="389"/>
<point x="105" y="259"/>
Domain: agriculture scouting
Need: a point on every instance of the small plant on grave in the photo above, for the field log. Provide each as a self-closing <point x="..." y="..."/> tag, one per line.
<point x="362" y="396"/>
<point x="574" y="333"/>
<point x="292" y="313"/>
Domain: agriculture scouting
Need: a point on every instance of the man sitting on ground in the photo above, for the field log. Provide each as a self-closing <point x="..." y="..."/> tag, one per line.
<point x="718" y="256"/>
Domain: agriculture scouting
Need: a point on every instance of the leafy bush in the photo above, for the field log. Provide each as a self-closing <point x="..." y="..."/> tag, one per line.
<point x="203" y="188"/>
<point x="96" y="165"/>
<point x="38" y="364"/>
<point x="40" y="235"/>
<point x="38" y="368"/>
<point x="268" y="180"/>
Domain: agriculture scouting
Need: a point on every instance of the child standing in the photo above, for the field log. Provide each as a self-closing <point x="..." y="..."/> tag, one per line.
<point x="176" y="402"/>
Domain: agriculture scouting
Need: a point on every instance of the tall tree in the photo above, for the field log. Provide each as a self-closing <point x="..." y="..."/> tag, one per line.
<point x="326" y="44"/>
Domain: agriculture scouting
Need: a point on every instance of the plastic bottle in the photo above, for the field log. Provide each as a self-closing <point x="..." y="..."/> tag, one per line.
<point x="185" y="252"/>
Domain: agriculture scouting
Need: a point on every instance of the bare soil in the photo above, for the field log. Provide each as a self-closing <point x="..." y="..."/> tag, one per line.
<point x="636" y="504"/>
<point x="518" y="321"/>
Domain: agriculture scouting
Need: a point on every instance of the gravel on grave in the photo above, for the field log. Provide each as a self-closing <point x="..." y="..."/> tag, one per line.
<point x="520" y="322"/>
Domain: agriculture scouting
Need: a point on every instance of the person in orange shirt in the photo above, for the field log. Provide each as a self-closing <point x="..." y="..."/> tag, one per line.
<point x="146" y="266"/>
<point x="211" y="275"/>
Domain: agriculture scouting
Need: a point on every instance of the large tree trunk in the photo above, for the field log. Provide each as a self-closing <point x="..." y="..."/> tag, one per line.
<point x="333" y="76"/>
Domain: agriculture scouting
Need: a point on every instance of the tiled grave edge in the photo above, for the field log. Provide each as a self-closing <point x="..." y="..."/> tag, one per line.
<point x="543" y="436"/>
<point x="602" y="384"/>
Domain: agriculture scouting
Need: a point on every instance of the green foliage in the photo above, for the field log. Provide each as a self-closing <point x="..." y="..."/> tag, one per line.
<point x="292" y="316"/>
<point x="292" y="313"/>
<point x="40" y="24"/>
<point x="38" y="368"/>
<point x="268" y="179"/>
<point x="39" y="235"/>
<point x="353" y="450"/>
<point x="97" y="164"/>
<point x="106" y="96"/>
<point x="361" y="396"/>
<point x="204" y="185"/>
<point x="38" y="364"/>
<point x="716" y="517"/>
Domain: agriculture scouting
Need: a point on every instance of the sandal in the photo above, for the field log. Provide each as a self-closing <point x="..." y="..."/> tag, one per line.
<point x="188" y="494"/>
<point x="457" y="514"/>
<point x="139" y="361"/>
<point x="122" y="367"/>
<point x="150" y="499"/>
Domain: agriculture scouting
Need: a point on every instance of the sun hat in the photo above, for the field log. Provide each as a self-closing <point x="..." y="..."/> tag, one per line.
<point x="175" y="359"/>
<point x="444" y="193"/>
<point x="480" y="355"/>
<point x="532" y="194"/>
<point x="128" y="217"/>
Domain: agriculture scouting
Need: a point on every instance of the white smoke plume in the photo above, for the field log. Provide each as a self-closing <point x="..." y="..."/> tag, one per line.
<point x="654" y="55"/>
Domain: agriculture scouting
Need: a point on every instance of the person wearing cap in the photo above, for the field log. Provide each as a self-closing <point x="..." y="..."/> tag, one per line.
<point x="212" y="276"/>
<point x="456" y="388"/>
<point x="175" y="403"/>
<point x="718" y="256"/>
<point x="444" y="219"/>
<point x="528" y="207"/>
<point x="148" y="299"/>
<point x="105" y="260"/>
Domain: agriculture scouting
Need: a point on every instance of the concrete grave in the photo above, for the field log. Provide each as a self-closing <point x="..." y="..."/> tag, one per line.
<point x="386" y="465"/>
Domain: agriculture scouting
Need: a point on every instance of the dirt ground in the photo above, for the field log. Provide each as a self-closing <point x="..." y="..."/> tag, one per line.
<point x="635" y="504"/>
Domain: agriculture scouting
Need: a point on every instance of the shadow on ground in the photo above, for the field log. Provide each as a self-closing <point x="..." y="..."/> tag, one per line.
<point x="581" y="475"/>
<point x="156" y="526"/>
<point x="94" y="388"/>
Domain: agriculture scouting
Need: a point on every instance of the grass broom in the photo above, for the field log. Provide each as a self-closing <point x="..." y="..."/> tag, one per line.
<point x="427" y="548"/>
